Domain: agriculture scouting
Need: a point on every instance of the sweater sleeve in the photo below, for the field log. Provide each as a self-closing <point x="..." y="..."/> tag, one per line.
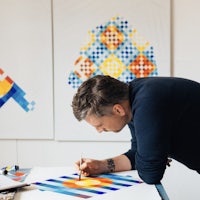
<point x="152" y="120"/>
<point x="131" y="153"/>
<point x="152" y="127"/>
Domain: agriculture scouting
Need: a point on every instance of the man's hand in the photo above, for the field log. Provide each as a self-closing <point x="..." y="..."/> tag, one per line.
<point x="90" y="167"/>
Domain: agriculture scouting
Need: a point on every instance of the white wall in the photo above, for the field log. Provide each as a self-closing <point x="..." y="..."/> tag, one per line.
<point x="179" y="182"/>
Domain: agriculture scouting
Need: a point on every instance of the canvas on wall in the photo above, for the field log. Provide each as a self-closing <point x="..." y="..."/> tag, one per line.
<point x="26" y="97"/>
<point x="125" y="39"/>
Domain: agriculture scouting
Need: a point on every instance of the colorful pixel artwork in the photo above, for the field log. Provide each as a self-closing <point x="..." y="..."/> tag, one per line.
<point x="114" y="49"/>
<point x="8" y="89"/>
<point x="87" y="187"/>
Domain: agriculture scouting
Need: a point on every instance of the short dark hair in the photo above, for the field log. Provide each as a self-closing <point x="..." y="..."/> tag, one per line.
<point x="97" y="94"/>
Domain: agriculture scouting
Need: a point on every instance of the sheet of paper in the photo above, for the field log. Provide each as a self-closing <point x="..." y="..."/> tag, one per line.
<point x="7" y="183"/>
<point x="138" y="191"/>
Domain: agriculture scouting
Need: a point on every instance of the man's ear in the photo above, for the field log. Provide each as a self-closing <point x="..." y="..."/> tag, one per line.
<point x="118" y="110"/>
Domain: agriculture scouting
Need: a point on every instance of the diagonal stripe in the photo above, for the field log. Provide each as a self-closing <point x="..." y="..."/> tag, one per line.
<point x="57" y="189"/>
<point x="122" y="178"/>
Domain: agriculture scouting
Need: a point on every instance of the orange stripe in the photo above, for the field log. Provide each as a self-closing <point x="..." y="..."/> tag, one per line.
<point x="9" y="79"/>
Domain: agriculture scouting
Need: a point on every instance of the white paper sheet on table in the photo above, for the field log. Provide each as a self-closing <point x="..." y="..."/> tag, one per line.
<point x="8" y="184"/>
<point x="138" y="191"/>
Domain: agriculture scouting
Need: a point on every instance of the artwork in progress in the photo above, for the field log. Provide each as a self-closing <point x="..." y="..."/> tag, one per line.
<point x="87" y="187"/>
<point x="117" y="50"/>
<point x="8" y="89"/>
<point x="15" y="173"/>
<point x="19" y="175"/>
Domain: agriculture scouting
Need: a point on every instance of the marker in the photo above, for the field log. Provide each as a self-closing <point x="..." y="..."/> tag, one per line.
<point x="80" y="168"/>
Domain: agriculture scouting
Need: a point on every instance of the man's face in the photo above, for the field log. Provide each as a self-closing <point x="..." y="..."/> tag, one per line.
<point x="111" y="123"/>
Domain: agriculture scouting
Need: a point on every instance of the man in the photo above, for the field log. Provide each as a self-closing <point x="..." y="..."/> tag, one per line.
<point x="163" y="114"/>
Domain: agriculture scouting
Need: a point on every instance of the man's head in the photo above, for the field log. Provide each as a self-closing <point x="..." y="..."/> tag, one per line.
<point x="102" y="97"/>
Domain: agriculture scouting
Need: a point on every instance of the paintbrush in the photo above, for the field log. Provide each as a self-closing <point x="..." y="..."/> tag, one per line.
<point x="80" y="168"/>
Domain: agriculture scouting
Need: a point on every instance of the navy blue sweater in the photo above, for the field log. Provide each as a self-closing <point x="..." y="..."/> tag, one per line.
<point x="165" y="123"/>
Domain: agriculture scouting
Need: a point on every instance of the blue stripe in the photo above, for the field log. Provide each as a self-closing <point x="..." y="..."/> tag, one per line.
<point x="123" y="178"/>
<point x="57" y="189"/>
